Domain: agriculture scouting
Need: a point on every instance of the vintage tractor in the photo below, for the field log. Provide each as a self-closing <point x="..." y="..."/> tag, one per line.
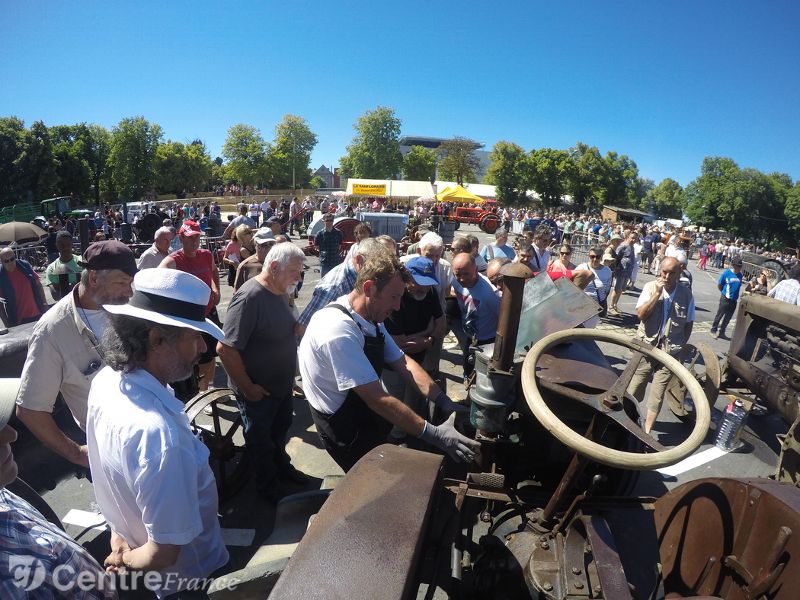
<point x="545" y="511"/>
<point x="487" y="220"/>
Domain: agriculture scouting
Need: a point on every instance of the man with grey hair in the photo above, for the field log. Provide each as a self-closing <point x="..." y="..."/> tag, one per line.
<point x="63" y="351"/>
<point x="20" y="289"/>
<point x="153" y="256"/>
<point x="500" y="248"/>
<point x="340" y="280"/>
<point x="259" y="353"/>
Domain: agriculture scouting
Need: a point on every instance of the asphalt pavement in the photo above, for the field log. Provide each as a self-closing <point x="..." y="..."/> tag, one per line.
<point x="247" y="516"/>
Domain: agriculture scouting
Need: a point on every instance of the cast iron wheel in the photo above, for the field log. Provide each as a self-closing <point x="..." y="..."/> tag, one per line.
<point x="701" y="361"/>
<point x="489" y="224"/>
<point x="610" y="403"/>
<point x="228" y="460"/>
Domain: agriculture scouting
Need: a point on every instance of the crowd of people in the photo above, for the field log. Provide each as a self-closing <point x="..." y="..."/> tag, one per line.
<point x="123" y="334"/>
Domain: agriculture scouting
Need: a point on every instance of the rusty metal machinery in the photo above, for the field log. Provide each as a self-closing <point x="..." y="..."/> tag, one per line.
<point x="544" y="513"/>
<point x="764" y="353"/>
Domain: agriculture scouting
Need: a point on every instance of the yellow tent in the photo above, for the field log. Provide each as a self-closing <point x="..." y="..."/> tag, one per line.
<point x="458" y="194"/>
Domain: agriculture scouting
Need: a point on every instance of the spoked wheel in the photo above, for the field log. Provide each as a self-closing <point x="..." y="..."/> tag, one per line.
<point x="701" y="361"/>
<point x="610" y="403"/>
<point x="227" y="456"/>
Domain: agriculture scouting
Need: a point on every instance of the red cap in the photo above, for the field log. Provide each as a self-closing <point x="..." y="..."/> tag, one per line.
<point x="189" y="229"/>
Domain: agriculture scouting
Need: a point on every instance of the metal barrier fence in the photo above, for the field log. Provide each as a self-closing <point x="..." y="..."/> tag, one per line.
<point x="36" y="255"/>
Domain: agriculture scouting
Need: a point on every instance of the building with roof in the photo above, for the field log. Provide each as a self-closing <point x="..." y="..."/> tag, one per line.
<point x="433" y="143"/>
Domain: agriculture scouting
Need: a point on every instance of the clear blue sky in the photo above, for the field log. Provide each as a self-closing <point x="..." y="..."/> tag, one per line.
<point x="666" y="83"/>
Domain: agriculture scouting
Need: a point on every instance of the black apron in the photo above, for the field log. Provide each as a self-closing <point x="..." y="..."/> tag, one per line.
<point x="354" y="429"/>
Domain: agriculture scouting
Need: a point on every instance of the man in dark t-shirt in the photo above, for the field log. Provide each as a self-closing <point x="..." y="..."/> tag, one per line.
<point x="420" y="313"/>
<point x="259" y="353"/>
<point x="414" y="327"/>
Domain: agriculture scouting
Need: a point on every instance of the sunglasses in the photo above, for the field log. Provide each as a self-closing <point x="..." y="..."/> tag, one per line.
<point x="565" y="253"/>
<point x="593" y="256"/>
<point x="8" y="260"/>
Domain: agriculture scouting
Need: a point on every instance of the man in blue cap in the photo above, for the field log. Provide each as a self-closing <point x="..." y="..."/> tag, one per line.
<point x="414" y="328"/>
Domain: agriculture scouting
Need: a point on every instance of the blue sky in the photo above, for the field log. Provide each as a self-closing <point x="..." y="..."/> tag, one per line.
<point x="666" y="83"/>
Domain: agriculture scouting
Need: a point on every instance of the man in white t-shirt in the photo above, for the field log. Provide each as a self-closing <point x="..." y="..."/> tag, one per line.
<point x="343" y="352"/>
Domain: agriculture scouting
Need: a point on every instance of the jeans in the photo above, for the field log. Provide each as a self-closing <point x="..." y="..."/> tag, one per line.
<point x="266" y="424"/>
<point x="727" y="307"/>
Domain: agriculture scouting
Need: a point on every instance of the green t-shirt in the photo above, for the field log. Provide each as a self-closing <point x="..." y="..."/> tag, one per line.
<point x="57" y="267"/>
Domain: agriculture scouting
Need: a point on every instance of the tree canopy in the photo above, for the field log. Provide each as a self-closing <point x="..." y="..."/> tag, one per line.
<point x="458" y="161"/>
<point x="419" y="164"/>
<point x="374" y="152"/>
<point x="132" y="158"/>
<point x="289" y="157"/>
<point x="246" y="154"/>
<point x="509" y="172"/>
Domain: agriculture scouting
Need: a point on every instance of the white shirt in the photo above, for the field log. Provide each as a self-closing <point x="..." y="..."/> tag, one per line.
<point x="332" y="359"/>
<point x="151" y="258"/>
<point x="644" y="297"/>
<point x="151" y="474"/>
<point x="540" y="260"/>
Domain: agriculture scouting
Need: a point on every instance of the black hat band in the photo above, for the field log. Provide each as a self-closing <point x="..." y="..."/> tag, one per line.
<point x="168" y="306"/>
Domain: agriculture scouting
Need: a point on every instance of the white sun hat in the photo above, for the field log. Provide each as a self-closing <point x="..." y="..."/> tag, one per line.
<point x="169" y="297"/>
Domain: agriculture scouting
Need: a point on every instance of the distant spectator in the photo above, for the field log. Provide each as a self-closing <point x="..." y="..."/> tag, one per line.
<point x="160" y="249"/>
<point x="788" y="290"/>
<point x="241" y="219"/>
<point x="20" y="289"/>
<point x="329" y="242"/>
<point x="64" y="264"/>
<point x="500" y="248"/>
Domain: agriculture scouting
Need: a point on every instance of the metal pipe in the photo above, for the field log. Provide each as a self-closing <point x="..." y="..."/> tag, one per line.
<point x="514" y="277"/>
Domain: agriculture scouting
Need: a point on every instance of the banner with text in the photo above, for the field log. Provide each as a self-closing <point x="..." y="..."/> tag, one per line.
<point x="369" y="189"/>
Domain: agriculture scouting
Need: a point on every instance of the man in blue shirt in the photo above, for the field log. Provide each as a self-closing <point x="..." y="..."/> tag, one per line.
<point x="729" y="284"/>
<point x="329" y="242"/>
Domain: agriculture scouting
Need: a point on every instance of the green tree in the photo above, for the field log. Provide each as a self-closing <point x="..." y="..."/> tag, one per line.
<point x="792" y="210"/>
<point x="12" y="141"/>
<point x="182" y="167"/>
<point x="290" y="154"/>
<point x="551" y="172"/>
<point x="97" y="150"/>
<point x="374" y="152"/>
<point x="36" y="163"/>
<point x="509" y="171"/>
<point x="588" y="179"/>
<point x="246" y="154"/>
<point x="419" y="164"/>
<point x="666" y="200"/>
<point x="72" y="168"/>
<point x="316" y="182"/>
<point x="132" y="156"/>
<point x="620" y="180"/>
<point x="715" y="187"/>
<point x="458" y="160"/>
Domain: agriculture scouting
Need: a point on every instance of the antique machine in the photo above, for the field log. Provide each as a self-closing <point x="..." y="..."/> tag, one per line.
<point x="546" y="512"/>
<point x="764" y="353"/>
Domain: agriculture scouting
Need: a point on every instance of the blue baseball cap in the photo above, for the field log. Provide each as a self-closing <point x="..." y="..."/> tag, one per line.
<point x="422" y="271"/>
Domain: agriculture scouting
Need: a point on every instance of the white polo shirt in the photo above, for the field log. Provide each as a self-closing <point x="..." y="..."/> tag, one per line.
<point x="151" y="474"/>
<point x="332" y="359"/>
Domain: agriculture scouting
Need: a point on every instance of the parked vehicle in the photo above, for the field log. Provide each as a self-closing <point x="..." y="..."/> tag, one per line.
<point x="487" y="220"/>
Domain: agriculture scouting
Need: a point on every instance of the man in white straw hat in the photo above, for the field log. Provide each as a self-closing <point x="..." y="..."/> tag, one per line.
<point x="151" y="474"/>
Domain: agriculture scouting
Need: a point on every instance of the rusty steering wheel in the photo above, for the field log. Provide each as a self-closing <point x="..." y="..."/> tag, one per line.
<point x="610" y="403"/>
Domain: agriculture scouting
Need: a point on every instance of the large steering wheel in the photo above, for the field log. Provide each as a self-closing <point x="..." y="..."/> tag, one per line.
<point x="610" y="403"/>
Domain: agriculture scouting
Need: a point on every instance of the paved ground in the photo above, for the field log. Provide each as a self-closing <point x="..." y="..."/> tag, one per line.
<point x="56" y="480"/>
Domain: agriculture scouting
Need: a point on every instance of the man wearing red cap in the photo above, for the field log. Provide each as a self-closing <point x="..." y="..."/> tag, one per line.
<point x="200" y="263"/>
